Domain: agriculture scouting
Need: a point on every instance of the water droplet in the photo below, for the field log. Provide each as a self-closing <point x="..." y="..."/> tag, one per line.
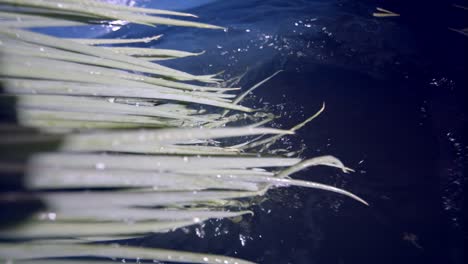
<point x="52" y="216"/>
<point x="242" y="240"/>
<point x="100" y="166"/>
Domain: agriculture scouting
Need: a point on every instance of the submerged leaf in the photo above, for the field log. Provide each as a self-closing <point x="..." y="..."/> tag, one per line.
<point x="33" y="251"/>
<point x="36" y="229"/>
<point x="134" y="215"/>
<point x="112" y="140"/>
<point x="103" y="41"/>
<point x="99" y="52"/>
<point x="146" y="52"/>
<point x="94" y="9"/>
<point x="126" y="177"/>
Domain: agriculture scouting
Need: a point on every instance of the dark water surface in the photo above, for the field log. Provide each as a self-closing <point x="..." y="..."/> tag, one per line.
<point x="395" y="91"/>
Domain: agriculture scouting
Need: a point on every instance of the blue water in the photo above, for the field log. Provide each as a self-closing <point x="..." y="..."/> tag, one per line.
<point x="395" y="90"/>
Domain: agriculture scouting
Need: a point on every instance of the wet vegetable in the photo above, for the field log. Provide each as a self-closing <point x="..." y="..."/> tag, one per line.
<point x="133" y="135"/>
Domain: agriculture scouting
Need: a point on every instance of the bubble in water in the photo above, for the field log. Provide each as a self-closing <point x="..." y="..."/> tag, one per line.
<point x="242" y="239"/>
<point x="100" y="166"/>
<point x="52" y="216"/>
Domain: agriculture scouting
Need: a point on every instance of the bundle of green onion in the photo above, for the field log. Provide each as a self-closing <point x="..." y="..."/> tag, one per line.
<point x="137" y="152"/>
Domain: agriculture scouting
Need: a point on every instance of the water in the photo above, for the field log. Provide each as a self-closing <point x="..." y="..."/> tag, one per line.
<point x="395" y="91"/>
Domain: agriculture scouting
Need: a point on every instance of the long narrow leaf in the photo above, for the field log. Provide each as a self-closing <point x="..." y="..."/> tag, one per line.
<point x="155" y="162"/>
<point x="136" y="214"/>
<point x="69" y="45"/>
<point x="62" y="229"/>
<point x="88" y="41"/>
<point x="103" y="12"/>
<point x="30" y="251"/>
<point x="107" y="140"/>
<point x="103" y="199"/>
